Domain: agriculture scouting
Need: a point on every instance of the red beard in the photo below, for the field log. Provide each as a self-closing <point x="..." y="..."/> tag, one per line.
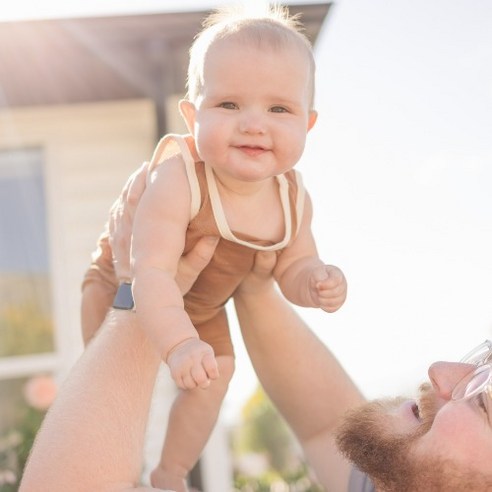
<point x="366" y="439"/>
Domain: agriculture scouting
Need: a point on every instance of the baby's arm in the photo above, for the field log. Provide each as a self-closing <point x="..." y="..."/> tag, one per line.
<point x="158" y="239"/>
<point x="302" y="276"/>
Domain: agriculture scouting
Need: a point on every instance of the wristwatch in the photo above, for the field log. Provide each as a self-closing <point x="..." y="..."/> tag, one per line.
<point x="124" y="297"/>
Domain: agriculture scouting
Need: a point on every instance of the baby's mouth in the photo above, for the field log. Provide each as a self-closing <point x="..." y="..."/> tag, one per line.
<point x="252" y="150"/>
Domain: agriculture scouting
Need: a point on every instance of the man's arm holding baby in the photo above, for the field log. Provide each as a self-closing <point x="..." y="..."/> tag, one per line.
<point x="101" y="280"/>
<point x="300" y="374"/>
<point x="303" y="278"/>
<point x="92" y="437"/>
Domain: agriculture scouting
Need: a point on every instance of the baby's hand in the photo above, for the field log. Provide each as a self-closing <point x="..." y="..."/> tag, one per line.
<point x="192" y="364"/>
<point x="328" y="287"/>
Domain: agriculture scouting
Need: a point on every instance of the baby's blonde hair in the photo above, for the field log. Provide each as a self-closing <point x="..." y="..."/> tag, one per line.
<point x="271" y="26"/>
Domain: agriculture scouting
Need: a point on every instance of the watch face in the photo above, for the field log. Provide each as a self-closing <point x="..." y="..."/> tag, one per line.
<point x="124" y="297"/>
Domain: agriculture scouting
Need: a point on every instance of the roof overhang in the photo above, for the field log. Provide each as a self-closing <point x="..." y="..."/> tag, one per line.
<point x="65" y="61"/>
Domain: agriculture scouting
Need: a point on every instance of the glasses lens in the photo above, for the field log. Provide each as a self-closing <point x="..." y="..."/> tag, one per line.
<point x="472" y="383"/>
<point x="479" y="355"/>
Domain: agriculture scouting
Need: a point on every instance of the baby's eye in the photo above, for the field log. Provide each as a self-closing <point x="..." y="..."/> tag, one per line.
<point x="278" y="109"/>
<point x="228" y="105"/>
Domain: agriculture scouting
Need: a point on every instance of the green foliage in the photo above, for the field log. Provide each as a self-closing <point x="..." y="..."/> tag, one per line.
<point x="264" y="432"/>
<point x="15" y="445"/>
<point x="261" y="484"/>
<point x="299" y="481"/>
<point x="25" y="329"/>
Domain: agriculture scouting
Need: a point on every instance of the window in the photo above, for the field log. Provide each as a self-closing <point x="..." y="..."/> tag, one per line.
<point x="26" y="325"/>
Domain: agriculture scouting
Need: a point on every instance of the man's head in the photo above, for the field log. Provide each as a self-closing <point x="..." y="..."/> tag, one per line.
<point x="441" y="442"/>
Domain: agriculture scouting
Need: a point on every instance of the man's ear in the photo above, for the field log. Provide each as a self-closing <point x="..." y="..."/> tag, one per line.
<point x="188" y="112"/>
<point x="313" y="116"/>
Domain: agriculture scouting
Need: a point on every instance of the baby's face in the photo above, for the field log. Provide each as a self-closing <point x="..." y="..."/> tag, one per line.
<point x="251" y="119"/>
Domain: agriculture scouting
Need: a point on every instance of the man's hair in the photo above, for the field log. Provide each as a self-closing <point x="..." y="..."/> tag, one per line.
<point x="267" y="27"/>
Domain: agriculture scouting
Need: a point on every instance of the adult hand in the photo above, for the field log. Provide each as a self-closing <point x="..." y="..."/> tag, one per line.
<point x="261" y="276"/>
<point x="120" y="221"/>
<point x="120" y="226"/>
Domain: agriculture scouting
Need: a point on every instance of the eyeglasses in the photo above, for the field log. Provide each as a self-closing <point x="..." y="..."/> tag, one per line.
<point x="479" y="355"/>
<point x="478" y="381"/>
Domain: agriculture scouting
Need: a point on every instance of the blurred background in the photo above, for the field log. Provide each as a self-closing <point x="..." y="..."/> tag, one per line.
<point x="399" y="168"/>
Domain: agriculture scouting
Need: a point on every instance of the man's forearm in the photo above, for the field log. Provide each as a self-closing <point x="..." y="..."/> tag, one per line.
<point x="98" y="288"/>
<point x="97" y="298"/>
<point x="92" y="437"/>
<point x="302" y="377"/>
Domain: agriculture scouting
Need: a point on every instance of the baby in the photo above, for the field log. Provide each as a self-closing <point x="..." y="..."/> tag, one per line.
<point x="248" y="111"/>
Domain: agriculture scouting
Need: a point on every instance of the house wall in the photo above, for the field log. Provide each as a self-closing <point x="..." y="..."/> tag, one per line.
<point x="89" y="150"/>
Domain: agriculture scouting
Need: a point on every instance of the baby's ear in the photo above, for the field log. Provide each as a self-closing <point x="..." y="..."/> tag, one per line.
<point x="313" y="116"/>
<point x="188" y="112"/>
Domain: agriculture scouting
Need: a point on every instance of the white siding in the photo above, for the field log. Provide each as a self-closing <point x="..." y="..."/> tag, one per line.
<point x="89" y="150"/>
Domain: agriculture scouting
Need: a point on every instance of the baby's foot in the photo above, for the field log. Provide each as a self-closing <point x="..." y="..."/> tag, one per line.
<point x="163" y="479"/>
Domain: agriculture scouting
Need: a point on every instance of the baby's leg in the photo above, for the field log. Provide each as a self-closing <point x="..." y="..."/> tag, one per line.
<point x="192" y="418"/>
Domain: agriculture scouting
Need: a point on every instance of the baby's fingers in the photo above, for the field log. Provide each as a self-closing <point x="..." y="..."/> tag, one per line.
<point x="209" y="363"/>
<point x="329" y="277"/>
<point x="202" y="373"/>
<point x="328" y="289"/>
<point x="330" y="301"/>
<point x="187" y="382"/>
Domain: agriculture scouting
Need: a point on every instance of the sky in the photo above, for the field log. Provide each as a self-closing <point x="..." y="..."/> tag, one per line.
<point x="399" y="169"/>
<point x="32" y="9"/>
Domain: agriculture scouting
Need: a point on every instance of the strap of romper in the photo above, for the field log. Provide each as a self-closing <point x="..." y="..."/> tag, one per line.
<point x="300" y="199"/>
<point x="221" y="220"/>
<point x="168" y="146"/>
